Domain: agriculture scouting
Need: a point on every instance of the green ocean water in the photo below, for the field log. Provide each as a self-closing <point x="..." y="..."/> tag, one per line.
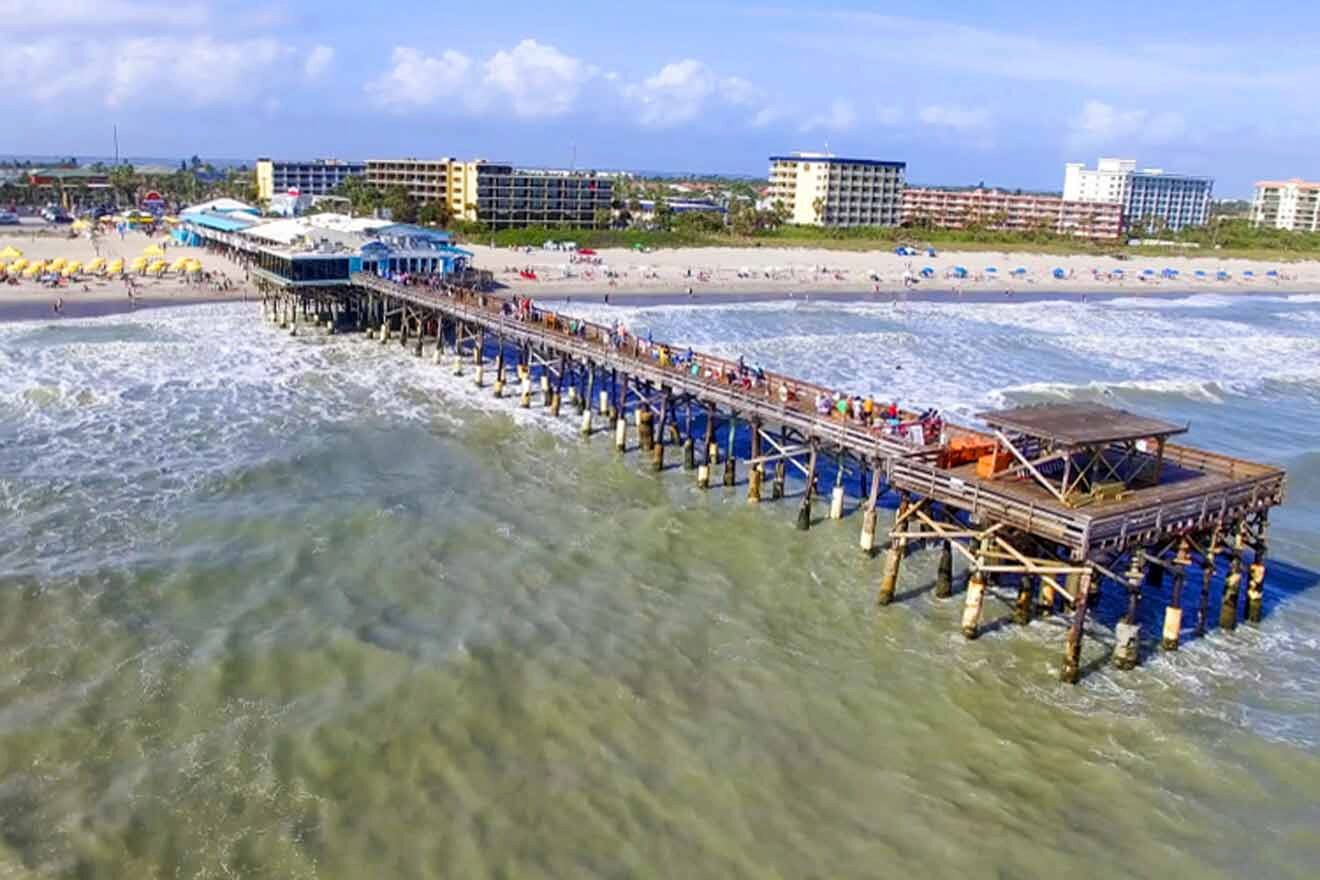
<point x="313" y="608"/>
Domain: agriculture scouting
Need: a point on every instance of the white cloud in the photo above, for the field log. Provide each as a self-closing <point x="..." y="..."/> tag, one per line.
<point x="1100" y="124"/>
<point x="47" y="15"/>
<point x="538" y="80"/>
<point x="957" y="118"/>
<point x="681" y="90"/>
<point x="840" y="117"/>
<point x="318" y="62"/>
<point x="150" y="70"/>
<point x="416" y="80"/>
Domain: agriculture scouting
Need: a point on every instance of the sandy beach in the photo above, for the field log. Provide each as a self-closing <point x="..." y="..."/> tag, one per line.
<point x="807" y="270"/>
<point x="88" y="295"/>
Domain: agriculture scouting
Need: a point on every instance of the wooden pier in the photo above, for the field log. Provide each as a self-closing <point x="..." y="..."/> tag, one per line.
<point x="1052" y="503"/>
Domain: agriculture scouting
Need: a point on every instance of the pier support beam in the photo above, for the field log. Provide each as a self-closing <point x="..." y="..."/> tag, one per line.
<point x="1208" y="560"/>
<point x="944" y="571"/>
<point x="975" y="601"/>
<point x="1025" y="604"/>
<point x="1256" y="575"/>
<point x="1172" y="631"/>
<point x="894" y="556"/>
<point x="1127" y="633"/>
<point x="1228" y="610"/>
<point x="804" y="509"/>
<point x="1072" y="652"/>
<point x="730" y="459"/>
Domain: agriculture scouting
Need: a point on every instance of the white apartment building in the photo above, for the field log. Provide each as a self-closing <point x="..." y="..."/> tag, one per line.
<point x="1287" y="204"/>
<point x="1176" y="201"/>
<point x="821" y="189"/>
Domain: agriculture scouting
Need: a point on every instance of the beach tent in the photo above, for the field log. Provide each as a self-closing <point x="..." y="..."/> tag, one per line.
<point x="1020" y="270"/>
<point x="1059" y="273"/>
<point x="1221" y="275"/>
<point x="959" y="272"/>
<point x="1170" y="273"/>
<point x="1200" y="273"/>
<point x="10" y="253"/>
<point x="927" y="272"/>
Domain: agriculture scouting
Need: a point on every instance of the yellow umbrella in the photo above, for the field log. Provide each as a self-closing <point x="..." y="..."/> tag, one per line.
<point x="80" y="225"/>
<point x="4" y="268"/>
<point x="32" y="271"/>
<point x="57" y="264"/>
<point x="116" y="267"/>
<point x="194" y="265"/>
<point x="179" y="265"/>
<point x="10" y="253"/>
<point x="156" y="268"/>
<point x="19" y="264"/>
<point x="153" y="250"/>
<point x="73" y="266"/>
<point x="96" y="265"/>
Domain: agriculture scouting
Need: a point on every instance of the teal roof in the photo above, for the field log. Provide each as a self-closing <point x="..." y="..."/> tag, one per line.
<point x="219" y="222"/>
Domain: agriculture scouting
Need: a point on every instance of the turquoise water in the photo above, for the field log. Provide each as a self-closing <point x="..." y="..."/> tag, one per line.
<point x="310" y="607"/>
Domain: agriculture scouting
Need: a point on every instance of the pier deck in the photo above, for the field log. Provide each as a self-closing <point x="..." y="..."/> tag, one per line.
<point x="1161" y="508"/>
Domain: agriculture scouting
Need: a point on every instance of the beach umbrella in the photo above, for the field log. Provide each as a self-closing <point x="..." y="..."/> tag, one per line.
<point x="57" y="264"/>
<point x="96" y="265"/>
<point x="156" y="268"/>
<point x="153" y="250"/>
<point x="1059" y="273"/>
<point x="927" y="272"/>
<point x="1200" y="273"/>
<point x="1222" y="275"/>
<point x="1118" y="272"/>
<point x="33" y="270"/>
<point x="4" y="268"/>
<point x="10" y="253"/>
<point x="1147" y="271"/>
<point x="1273" y="273"/>
<point x="1020" y="270"/>
<point x="73" y="266"/>
<point x="139" y="264"/>
<point x="1248" y="274"/>
<point x="194" y="265"/>
<point x="930" y="252"/>
<point x="959" y="271"/>
<point x="990" y="270"/>
<point x="116" y="267"/>
<point x="19" y="264"/>
<point x="80" y="225"/>
<point x="179" y="264"/>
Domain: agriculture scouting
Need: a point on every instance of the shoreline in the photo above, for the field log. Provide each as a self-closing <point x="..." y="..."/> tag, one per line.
<point x="14" y="309"/>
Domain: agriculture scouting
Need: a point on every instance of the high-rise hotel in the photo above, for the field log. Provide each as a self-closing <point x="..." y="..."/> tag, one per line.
<point x="1148" y="196"/>
<point x="821" y="189"/>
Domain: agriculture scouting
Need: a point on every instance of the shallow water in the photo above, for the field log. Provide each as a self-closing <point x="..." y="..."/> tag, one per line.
<point x="314" y="608"/>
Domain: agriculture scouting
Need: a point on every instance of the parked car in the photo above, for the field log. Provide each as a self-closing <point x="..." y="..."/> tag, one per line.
<point x="56" y="215"/>
<point x="8" y="218"/>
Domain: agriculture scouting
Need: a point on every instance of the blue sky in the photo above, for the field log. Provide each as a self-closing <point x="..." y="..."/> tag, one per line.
<point x="1004" y="92"/>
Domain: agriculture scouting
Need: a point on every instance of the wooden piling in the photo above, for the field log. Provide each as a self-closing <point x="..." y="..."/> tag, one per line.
<point x="730" y="459"/>
<point x="804" y="509"/>
<point x="1072" y="653"/>
<point x="1256" y="574"/>
<point x="1127" y="633"/>
<point x="897" y="550"/>
<point x="1228" y="609"/>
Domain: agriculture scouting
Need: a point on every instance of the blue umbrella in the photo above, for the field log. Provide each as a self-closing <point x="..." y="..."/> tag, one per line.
<point x="1273" y="273"/>
<point x="959" y="271"/>
<point x="1200" y="273"/>
<point x="927" y="272"/>
<point x="1020" y="270"/>
<point x="1170" y="273"/>
<point x="990" y="270"/>
<point x="1248" y="274"/>
<point x="930" y="251"/>
<point x="1147" y="271"/>
<point x="1222" y="275"/>
<point x="1116" y="272"/>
